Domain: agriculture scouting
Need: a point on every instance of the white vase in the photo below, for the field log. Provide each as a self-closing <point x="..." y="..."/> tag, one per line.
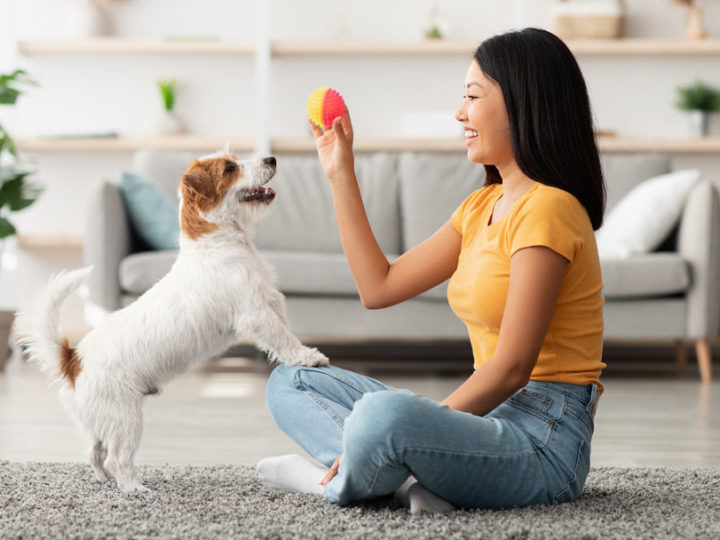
<point x="698" y="123"/>
<point x="91" y="19"/>
<point x="169" y="123"/>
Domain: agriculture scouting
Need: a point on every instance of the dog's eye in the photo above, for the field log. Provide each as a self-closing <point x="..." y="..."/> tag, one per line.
<point x="230" y="167"/>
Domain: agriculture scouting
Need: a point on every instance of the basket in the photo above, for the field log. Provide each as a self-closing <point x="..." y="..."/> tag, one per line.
<point x="576" y="20"/>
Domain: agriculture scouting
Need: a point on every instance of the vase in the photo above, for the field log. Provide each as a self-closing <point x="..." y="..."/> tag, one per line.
<point x="169" y="123"/>
<point x="694" y="29"/>
<point x="91" y="19"/>
<point x="698" y="123"/>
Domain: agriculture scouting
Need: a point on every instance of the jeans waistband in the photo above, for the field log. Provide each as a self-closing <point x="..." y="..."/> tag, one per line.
<point x="587" y="394"/>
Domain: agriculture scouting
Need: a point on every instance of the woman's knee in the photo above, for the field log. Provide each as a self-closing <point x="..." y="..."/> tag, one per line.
<point x="284" y="380"/>
<point x="380" y="417"/>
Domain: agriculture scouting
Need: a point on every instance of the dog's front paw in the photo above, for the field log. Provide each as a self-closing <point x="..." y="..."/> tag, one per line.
<point x="308" y="356"/>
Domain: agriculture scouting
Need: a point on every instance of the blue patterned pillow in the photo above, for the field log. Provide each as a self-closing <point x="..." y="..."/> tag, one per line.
<point x="153" y="213"/>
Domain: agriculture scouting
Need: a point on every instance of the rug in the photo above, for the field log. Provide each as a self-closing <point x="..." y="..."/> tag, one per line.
<point x="61" y="500"/>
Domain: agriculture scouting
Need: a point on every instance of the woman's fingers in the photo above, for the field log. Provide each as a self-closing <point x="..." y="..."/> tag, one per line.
<point x="332" y="472"/>
<point x="317" y="132"/>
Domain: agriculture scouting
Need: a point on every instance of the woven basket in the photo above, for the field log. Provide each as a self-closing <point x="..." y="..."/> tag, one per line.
<point x="588" y="26"/>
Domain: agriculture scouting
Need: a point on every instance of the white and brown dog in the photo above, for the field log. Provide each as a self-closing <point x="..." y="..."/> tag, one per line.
<point x="218" y="290"/>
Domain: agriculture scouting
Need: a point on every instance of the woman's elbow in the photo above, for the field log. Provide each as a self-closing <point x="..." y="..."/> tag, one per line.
<point x="372" y="303"/>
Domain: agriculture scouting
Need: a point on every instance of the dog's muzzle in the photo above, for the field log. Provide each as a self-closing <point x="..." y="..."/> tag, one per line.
<point x="259" y="194"/>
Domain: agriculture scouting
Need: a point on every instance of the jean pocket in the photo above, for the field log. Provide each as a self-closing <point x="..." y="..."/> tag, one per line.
<point x="540" y="414"/>
<point x="580" y="472"/>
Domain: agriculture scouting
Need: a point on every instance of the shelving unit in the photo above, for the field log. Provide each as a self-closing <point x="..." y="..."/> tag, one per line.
<point x="604" y="47"/>
<point x="707" y="145"/>
<point x="32" y="241"/>
<point x="130" y="144"/>
<point x="113" y="45"/>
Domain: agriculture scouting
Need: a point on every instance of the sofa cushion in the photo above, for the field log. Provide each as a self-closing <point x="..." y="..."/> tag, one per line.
<point x="140" y="271"/>
<point x="645" y="216"/>
<point x="303" y="217"/>
<point x="153" y="213"/>
<point x="164" y="167"/>
<point x="652" y="274"/>
<point x="624" y="171"/>
<point x="432" y="186"/>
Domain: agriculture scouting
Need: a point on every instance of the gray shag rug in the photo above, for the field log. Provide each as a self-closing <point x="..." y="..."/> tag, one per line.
<point x="62" y="500"/>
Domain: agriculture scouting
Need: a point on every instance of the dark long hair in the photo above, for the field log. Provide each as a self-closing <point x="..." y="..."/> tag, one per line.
<point x="551" y="125"/>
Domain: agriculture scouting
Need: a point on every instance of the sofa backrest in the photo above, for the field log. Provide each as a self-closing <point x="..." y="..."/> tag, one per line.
<point x="625" y="171"/>
<point x="432" y="186"/>
<point x="303" y="217"/>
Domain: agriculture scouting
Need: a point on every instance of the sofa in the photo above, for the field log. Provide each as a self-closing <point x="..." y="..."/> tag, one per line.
<point x="668" y="294"/>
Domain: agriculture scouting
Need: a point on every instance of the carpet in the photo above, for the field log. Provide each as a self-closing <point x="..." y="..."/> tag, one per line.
<point x="61" y="500"/>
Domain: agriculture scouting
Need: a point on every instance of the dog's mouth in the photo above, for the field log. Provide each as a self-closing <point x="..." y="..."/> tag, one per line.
<point x="257" y="194"/>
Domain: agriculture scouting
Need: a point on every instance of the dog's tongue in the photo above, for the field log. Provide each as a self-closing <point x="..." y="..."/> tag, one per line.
<point x="270" y="191"/>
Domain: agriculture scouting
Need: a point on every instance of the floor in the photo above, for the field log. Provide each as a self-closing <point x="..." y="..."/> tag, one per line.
<point x="648" y="416"/>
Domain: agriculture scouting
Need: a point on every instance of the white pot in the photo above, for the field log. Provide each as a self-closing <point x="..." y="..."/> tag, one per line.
<point x="169" y="123"/>
<point x="698" y="123"/>
<point x="90" y="19"/>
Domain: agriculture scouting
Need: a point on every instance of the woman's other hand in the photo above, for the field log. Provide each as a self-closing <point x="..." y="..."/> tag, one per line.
<point x="334" y="147"/>
<point x="332" y="472"/>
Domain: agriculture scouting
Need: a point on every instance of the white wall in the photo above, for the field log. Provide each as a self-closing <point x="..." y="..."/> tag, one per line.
<point x="86" y="93"/>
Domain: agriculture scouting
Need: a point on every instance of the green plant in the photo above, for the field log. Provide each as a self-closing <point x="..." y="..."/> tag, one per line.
<point x="698" y="97"/>
<point x="16" y="191"/>
<point x="168" y="89"/>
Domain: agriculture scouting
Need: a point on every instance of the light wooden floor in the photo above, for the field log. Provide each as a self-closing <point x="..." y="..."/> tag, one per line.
<point x="219" y="416"/>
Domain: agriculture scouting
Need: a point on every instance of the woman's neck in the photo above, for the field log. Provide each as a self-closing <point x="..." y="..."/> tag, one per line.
<point x="514" y="181"/>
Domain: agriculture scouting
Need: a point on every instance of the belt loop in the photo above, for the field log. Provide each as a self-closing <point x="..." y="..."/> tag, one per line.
<point x="592" y="402"/>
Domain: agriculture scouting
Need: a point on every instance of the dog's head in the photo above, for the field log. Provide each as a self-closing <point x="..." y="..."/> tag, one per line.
<point x="219" y="191"/>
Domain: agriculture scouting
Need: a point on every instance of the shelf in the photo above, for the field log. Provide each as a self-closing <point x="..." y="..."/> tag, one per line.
<point x="130" y="144"/>
<point x="632" y="46"/>
<point x="111" y="45"/>
<point x="586" y="47"/>
<point x="605" y="144"/>
<point x="33" y="241"/>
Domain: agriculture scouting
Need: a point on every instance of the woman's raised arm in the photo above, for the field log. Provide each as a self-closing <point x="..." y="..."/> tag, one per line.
<point x="379" y="283"/>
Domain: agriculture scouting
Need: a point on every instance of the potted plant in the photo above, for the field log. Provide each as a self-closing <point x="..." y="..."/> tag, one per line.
<point x="16" y="191"/>
<point x="169" y="122"/>
<point x="699" y="99"/>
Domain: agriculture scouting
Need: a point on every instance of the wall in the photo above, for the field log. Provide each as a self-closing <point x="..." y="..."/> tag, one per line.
<point x="86" y="93"/>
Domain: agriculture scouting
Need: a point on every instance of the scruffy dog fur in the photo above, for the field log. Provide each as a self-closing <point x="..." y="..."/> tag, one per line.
<point x="218" y="291"/>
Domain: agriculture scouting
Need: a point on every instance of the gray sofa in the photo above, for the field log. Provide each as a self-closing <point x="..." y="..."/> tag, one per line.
<point x="672" y="294"/>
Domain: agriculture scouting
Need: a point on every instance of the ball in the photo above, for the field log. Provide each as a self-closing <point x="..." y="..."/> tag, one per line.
<point x="324" y="105"/>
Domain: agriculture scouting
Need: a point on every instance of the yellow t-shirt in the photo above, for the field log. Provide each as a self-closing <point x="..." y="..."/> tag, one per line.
<point x="542" y="216"/>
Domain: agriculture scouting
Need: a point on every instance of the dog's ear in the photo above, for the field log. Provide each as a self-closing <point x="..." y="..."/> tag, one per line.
<point x="197" y="183"/>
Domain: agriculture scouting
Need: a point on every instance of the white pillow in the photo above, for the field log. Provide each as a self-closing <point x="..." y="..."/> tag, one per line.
<point x="645" y="216"/>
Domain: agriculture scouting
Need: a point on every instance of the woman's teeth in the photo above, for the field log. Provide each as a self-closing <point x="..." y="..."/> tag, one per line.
<point x="470" y="133"/>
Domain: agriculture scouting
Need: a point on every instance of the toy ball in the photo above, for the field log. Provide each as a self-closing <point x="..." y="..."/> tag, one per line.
<point x="324" y="105"/>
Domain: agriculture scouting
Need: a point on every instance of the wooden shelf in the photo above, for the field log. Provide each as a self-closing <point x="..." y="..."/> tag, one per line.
<point x="629" y="46"/>
<point x="114" y="45"/>
<point x="130" y="144"/>
<point x="117" y="45"/>
<point x="36" y="241"/>
<point x="707" y="145"/>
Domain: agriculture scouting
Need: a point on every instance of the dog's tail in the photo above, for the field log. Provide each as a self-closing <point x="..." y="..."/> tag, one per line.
<point x="37" y="327"/>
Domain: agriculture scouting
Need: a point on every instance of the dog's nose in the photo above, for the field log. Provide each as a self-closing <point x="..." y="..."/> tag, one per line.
<point x="270" y="160"/>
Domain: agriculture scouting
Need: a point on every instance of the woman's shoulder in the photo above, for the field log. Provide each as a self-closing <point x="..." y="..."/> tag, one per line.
<point x="554" y="200"/>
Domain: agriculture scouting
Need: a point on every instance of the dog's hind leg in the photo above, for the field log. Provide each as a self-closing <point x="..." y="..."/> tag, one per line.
<point x="122" y="438"/>
<point x="98" y="454"/>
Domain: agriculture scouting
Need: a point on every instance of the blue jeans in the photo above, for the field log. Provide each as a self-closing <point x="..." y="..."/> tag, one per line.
<point x="534" y="448"/>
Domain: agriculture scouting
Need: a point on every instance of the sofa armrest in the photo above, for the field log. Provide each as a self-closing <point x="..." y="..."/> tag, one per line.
<point x="107" y="241"/>
<point x="699" y="244"/>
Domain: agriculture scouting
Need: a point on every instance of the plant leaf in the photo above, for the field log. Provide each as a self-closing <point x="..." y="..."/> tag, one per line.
<point x="18" y="194"/>
<point x="6" y="228"/>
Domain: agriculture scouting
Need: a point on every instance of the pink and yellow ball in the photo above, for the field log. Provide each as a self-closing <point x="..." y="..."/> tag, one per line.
<point x="324" y="105"/>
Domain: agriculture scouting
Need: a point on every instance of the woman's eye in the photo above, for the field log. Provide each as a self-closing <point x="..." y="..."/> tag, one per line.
<point x="470" y="97"/>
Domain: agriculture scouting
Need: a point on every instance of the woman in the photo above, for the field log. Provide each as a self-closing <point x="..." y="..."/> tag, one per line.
<point x="525" y="279"/>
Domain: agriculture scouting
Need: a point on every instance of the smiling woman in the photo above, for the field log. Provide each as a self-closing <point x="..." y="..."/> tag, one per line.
<point x="524" y="278"/>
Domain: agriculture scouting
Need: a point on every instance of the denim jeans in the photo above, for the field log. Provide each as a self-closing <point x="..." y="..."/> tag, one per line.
<point x="534" y="448"/>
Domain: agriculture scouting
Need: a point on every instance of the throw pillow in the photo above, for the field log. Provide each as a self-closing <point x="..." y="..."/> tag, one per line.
<point x="644" y="217"/>
<point x="152" y="213"/>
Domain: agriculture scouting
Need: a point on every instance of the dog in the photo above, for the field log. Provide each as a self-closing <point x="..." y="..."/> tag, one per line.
<point x="218" y="290"/>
